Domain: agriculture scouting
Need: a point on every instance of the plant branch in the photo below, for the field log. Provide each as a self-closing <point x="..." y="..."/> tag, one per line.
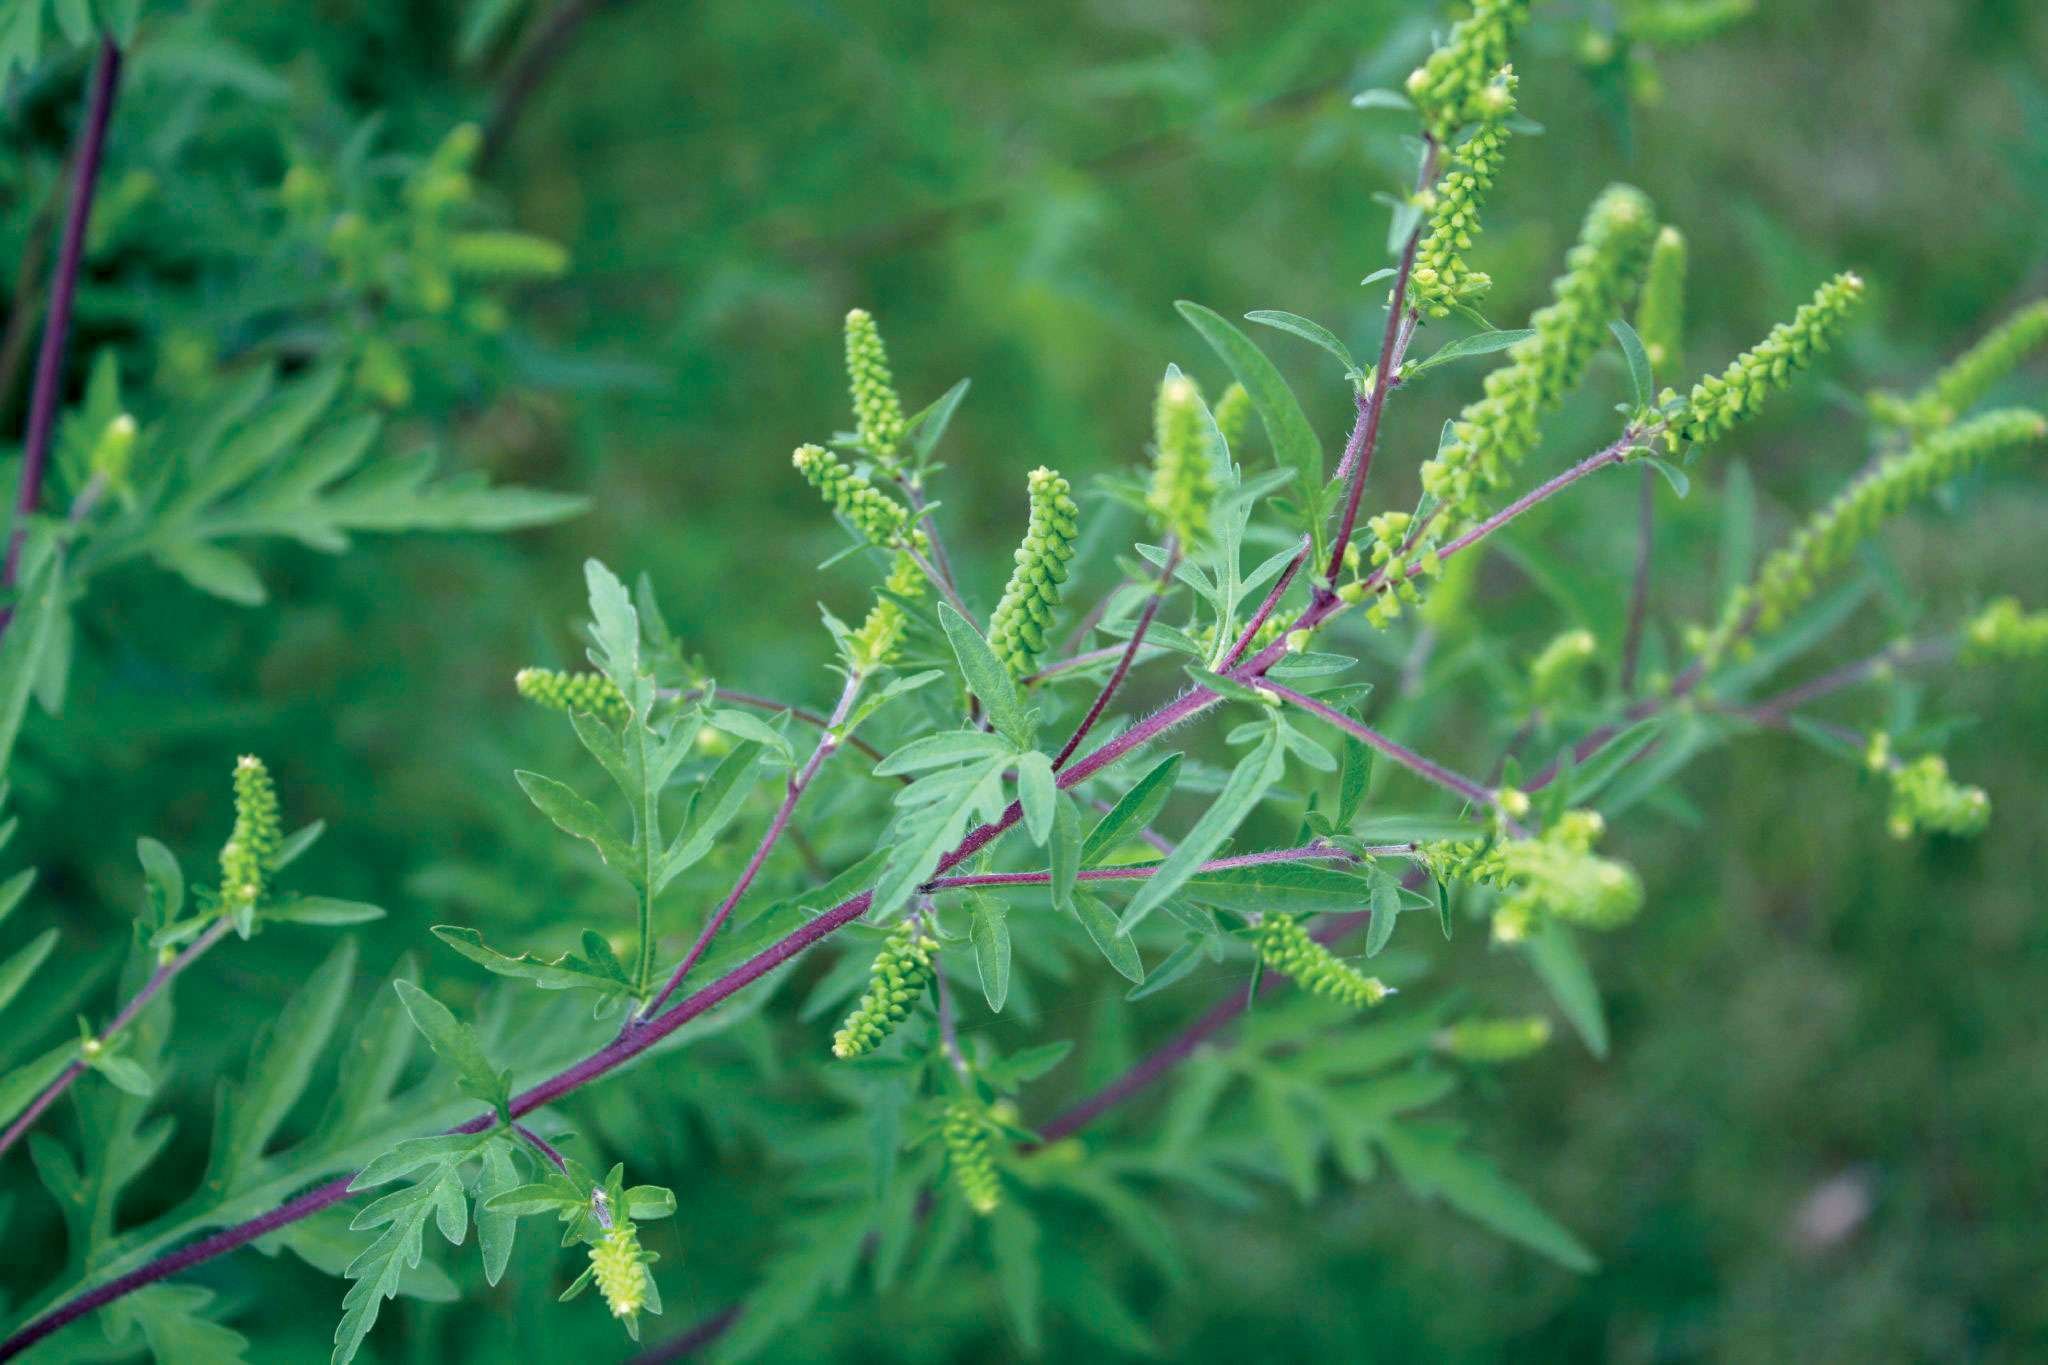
<point x="42" y="412"/>
<point x="158" y="979"/>
<point x="793" y="792"/>
<point x="1142" y="871"/>
<point x="1130" y="654"/>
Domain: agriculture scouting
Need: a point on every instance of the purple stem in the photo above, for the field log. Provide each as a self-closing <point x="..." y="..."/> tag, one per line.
<point x="1141" y="871"/>
<point x="1123" y="665"/>
<point x="158" y="979"/>
<point x="42" y="412"/>
<point x="798" y="782"/>
<point x="1270" y="605"/>
<point x="1775" y="708"/>
<point x="543" y="1146"/>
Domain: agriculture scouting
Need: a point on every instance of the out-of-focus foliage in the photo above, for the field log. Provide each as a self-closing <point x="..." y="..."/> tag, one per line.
<point x="1813" y="1134"/>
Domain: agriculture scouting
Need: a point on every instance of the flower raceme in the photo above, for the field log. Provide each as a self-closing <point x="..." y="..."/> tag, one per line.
<point x="1660" y="314"/>
<point x="1287" y="948"/>
<point x="591" y="694"/>
<point x="2004" y="630"/>
<point x="896" y="980"/>
<point x="1017" y="630"/>
<point x="1552" y="875"/>
<point x="1924" y="798"/>
<point x="1183" y="476"/>
<point x="619" y="1266"/>
<point x="1441" y="278"/>
<point x="1720" y="401"/>
<point x="969" y="1136"/>
<point x="1963" y="384"/>
<point x="257" y="836"/>
<point x="877" y="410"/>
<point x="878" y="518"/>
<point x="1450" y="87"/>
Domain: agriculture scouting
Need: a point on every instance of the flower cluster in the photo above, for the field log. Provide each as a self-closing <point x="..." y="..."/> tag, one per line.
<point x="2004" y="631"/>
<point x="1494" y="1040"/>
<point x="969" y="1136"/>
<point x="1553" y="875"/>
<point x="1398" y="563"/>
<point x="1720" y="401"/>
<point x="1450" y="87"/>
<point x="874" y="644"/>
<point x="1233" y="414"/>
<point x="1287" y="948"/>
<point x="877" y="517"/>
<point x="898" y="977"/>
<point x="1963" y="384"/>
<point x="1441" y="278"/>
<point x="1556" y="669"/>
<point x="620" y="1268"/>
<point x="1789" y="576"/>
<point x="1183" y="476"/>
<point x="1660" y="315"/>
<point x="877" y="410"/>
<point x="1926" y="799"/>
<point x="592" y="694"/>
<point x="1496" y="432"/>
<point x="257" y="836"/>
<point x="1017" y="630"/>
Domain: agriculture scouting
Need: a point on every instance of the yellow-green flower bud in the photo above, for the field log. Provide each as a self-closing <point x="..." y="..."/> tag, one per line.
<point x="620" y="1268"/>
<point x="1183" y="479"/>
<point x="1440" y="277"/>
<point x="970" y="1149"/>
<point x="1720" y="401"/>
<point x="1285" y="947"/>
<point x="896" y="981"/>
<point x="112" y="451"/>
<point x="1557" y="669"/>
<point x="878" y="518"/>
<point x="592" y="694"/>
<point x="2003" y="631"/>
<point x="1449" y="88"/>
<point x="1791" y="575"/>
<point x="1495" y="1040"/>
<point x="1497" y="431"/>
<point x="1925" y="798"/>
<point x="1963" y="384"/>
<point x="877" y="410"/>
<point x="1660" y="316"/>
<point x="254" y="842"/>
<point x="1233" y="415"/>
<point x="1017" y="630"/>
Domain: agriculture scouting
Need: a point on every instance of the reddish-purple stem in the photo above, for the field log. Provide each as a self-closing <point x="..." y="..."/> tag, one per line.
<point x="1267" y="607"/>
<point x="42" y="412"/>
<point x="158" y="979"/>
<point x="1123" y="665"/>
<point x="1141" y="871"/>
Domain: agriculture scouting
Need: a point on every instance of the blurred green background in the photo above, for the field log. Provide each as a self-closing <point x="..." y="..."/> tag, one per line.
<point x="1819" y="1134"/>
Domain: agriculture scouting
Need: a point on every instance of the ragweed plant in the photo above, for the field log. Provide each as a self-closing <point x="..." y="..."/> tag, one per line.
<point x="999" y="811"/>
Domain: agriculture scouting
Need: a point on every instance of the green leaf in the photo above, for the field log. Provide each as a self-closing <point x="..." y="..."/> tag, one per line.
<point x="321" y="910"/>
<point x="1737" y="557"/>
<point x="990" y="931"/>
<point x="1479" y="343"/>
<point x="1429" y="1162"/>
<point x="1284" y="1124"/>
<point x="924" y="429"/>
<point x="1100" y="922"/>
<point x="375" y="1059"/>
<point x="281" y="1067"/>
<point x="164" y="882"/>
<point x="577" y="817"/>
<point x="1013" y="1238"/>
<point x="567" y="972"/>
<point x="1065" y="849"/>
<point x="1382" y="99"/>
<point x="1353" y="778"/>
<point x="1638" y="363"/>
<point x="127" y="1075"/>
<point x="1135" y="810"/>
<point x="29" y="636"/>
<point x="742" y="725"/>
<point x="1302" y="888"/>
<point x="1590" y="778"/>
<point x="1554" y="953"/>
<point x="209" y="568"/>
<point x="30" y="1079"/>
<point x="712" y="808"/>
<point x="1020" y="1068"/>
<point x="1308" y="331"/>
<point x="18" y="970"/>
<point x="456" y="1044"/>
<point x="1386" y="911"/>
<point x="1178" y="964"/>
<point x="1295" y="446"/>
<point x="614" y="628"/>
<point x="1247" y="785"/>
<point x="1673" y="475"/>
<point x="943" y="750"/>
<point x="988" y="679"/>
<point x="169" y="1317"/>
<point x="380" y="1270"/>
<point x="1037" y="794"/>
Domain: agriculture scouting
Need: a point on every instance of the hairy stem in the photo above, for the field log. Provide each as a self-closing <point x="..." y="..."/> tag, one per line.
<point x="799" y="781"/>
<point x="1130" y="654"/>
<point x="1141" y="871"/>
<point x="158" y="979"/>
<point x="42" y="412"/>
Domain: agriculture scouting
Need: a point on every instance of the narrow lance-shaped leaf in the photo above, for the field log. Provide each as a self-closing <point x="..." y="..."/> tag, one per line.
<point x="1246" y="786"/>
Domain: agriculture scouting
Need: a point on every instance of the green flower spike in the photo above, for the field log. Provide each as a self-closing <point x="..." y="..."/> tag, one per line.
<point x="1450" y="87"/>
<point x="877" y="410"/>
<point x="1017" y="630"/>
<point x="1233" y="414"/>
<point x="1660" y="315"/>
<point x="1556" y="670"/>
<point x="2004" y="631"/>
<point x="1495" y="1040"/>
<point x="592" y="694"/>
<point x="1963" y="385"/>
<point x="1925" y="799"/>
<point x="1183" y="481"/>
<point x="1497" y="431"/>
<point x="1720" y="401"/>
<point x="879" y="518"/>
<point x="254" y="842"/>
<point x="1287" y="948"/>
<point x="874" y="644"/>
<point x="1788" y="578"/>
<point x="901" y="971"/>
<point x="1441" y="278"/>
<point x="619" y="1266"/>
<point x="969" y="1136"/>
<point x="1553" y="875"/>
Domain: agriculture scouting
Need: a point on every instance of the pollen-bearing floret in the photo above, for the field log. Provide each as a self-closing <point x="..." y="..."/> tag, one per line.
<point x="620" y="1268"/>
<point x="1017" y="630"/>
<point x="1287" y="948"/>
<point x="257" y="836"/>
<point x="897" y="979"/>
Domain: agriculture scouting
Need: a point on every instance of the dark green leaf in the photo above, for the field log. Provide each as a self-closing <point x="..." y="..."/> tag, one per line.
<point x="1132" y="813"/>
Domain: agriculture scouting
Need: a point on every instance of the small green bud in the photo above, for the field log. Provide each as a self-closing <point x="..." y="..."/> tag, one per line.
<point x="1552" y="875"/>
<point x="1017" y="630"/>
<point x="112" y="451"/>
<point x="620" y="1268"/>
<point x="1233" y="415"/>
<point x="874" y="644"/>
<point x="1286" y="947"/>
